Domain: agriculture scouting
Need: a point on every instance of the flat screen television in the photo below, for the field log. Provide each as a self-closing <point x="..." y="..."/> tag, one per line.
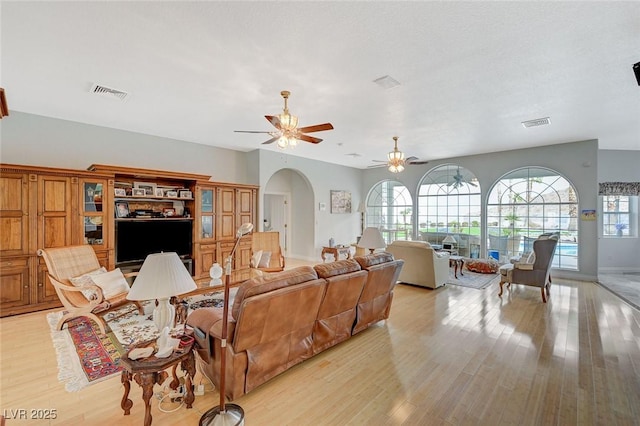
<point x="135" y="239"/>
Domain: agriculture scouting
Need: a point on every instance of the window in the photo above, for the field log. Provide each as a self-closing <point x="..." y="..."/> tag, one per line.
<point x="617" y="211"/>
<point x="526" y="203"/>
<point x="449" y="204"/>
<point x="389" y="208"/>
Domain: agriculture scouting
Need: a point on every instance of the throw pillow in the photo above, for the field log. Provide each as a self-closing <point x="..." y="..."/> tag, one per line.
<point x="255" y="259"/>
<point x="483" y="266"/>
<point x="265" y="259"/>
<point x="112" y="283"/>
<point x="86" y="281"/>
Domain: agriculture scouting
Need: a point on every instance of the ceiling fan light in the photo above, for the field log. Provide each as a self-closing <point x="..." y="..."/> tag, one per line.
<point x="288" y="122"/>
<point x="282" y="142"/>
<point x="396" y="156"/>
<point x="293" y="142"/>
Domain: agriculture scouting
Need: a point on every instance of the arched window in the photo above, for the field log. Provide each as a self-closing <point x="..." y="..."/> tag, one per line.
<point x="526" y="203"/>
<point x="449" y="205"/>
<point x="389" y="208"/>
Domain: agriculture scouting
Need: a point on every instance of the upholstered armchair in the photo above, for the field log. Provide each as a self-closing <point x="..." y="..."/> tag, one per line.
<point x="534" y="270"/>
<point x="84" y="287"/>
<point x="423" y="265"/>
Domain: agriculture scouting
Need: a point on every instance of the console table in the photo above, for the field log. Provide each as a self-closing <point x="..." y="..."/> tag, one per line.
<point x="336" y="252"/>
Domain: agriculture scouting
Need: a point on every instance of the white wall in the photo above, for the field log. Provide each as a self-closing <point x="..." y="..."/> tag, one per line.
<point x="618" y="254"/>
<point x="41" y="141"/>
<point x="576" y="161"/>
<point x="312" y="228"/>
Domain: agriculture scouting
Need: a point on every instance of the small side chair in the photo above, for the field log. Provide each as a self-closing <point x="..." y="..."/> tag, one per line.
<point x="64" y="263"/>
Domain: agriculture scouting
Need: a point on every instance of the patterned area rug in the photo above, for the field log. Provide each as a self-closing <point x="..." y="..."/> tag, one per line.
<point x="86" y="357"/>
<point x="472" y="279"/>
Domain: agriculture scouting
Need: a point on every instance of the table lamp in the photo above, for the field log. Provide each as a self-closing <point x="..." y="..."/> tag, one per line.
<point x="371" y="239"/>
<point x="162" y="276"/>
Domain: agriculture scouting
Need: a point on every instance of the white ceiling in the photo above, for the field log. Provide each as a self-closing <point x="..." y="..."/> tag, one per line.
<point x="470" y="72"/>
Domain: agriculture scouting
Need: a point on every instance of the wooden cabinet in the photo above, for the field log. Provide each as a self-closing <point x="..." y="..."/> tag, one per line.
<point x="15" y="285"/>
<point x="221" y="209"/>
<point x="95" y="213"/>
<point x="14" y="214"/>
<point x="54" y="210"/>
<point x="43" y="207"/>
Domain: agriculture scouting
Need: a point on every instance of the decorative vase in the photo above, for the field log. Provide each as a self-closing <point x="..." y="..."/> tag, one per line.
<point x="619" y="233"/>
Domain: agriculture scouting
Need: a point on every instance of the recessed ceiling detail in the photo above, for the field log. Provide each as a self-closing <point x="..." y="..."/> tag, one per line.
<point x="108" y="92"/>
<point x="387" y="82"/>
<point x="537" y="122"/>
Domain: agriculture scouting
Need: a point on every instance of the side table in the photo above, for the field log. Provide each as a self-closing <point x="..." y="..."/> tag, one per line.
<point x="148" y="371"/>
<point x="336" y="252"/>
<point x="455" y="261"/>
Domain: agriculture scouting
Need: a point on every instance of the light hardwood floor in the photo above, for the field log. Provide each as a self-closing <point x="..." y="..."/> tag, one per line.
<point x="453" y="356"/>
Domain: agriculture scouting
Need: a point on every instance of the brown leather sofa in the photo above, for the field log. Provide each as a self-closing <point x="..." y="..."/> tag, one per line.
<point x="281" y="319"/>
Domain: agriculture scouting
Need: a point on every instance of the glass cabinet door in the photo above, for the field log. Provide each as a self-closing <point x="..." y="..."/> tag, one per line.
<point x="93" y="212"/>
<point x="206" y="214"/>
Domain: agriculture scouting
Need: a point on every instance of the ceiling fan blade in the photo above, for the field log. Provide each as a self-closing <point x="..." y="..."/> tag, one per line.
<point x="274" y="120"/>
<point x="316" y="128"/>
<point x="376" y="166"/>
<point x="416" y="163"/>
<point x="272" y="140"/>
<point x="307" y="138"/>
<point x="250" y="131"/>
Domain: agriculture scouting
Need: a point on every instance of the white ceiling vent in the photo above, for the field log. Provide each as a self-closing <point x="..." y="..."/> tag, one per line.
<point x="537" y="122"/>
<point x="387" y="82"/>
<point x="108" y="92"/>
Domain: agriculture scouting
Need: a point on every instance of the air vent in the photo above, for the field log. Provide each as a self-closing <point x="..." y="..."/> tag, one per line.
<point x="353" y="155"/>
<point x="537" y="122"/>
<point x="108" y="92"/>
<point x="387" y="82"/>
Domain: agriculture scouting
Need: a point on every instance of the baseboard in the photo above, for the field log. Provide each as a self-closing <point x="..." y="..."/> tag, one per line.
<point x="618" y="270"/>
<point x="558" y="273"/>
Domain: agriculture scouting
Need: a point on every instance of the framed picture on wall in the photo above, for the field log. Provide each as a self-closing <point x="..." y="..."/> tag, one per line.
<point x="340" y="201"/>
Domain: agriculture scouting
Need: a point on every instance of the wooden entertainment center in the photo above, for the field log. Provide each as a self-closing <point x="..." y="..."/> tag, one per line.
<point x="44" y="207"/>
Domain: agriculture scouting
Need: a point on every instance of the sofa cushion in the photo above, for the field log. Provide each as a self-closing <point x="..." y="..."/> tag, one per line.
<point x="326" y="270"/>
<point x="374" y="259"/>
<point x="270" y="282"/>
<point x="413" y="243"/>
<point x="483" y="266"/>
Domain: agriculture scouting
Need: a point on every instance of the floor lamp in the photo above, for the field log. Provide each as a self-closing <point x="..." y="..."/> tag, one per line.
<point x="226" y="414"/>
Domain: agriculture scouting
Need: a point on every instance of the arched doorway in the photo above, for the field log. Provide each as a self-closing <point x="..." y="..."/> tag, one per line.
<point x="287" y="200"/>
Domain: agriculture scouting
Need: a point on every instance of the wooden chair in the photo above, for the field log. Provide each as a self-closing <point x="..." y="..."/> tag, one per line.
<point x="268" y="242"/>
<point x="64" y="263"/>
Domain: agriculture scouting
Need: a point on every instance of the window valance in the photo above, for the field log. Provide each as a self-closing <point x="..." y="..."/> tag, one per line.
<point x="619" y="188"/>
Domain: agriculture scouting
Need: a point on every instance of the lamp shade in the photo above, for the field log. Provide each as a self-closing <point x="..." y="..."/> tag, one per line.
<point x="371" y="239"/>
<point x="362" y="208"/>
<point x="162" y="276"/>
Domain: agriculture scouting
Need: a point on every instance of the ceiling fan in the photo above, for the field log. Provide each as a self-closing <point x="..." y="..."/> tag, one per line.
<point x="287" y="132"/>
<point x="396" y="161"/>
<point x="458" y="180"/>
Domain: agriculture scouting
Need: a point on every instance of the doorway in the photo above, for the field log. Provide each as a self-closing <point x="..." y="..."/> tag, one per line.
<point x="276" y="217"/>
